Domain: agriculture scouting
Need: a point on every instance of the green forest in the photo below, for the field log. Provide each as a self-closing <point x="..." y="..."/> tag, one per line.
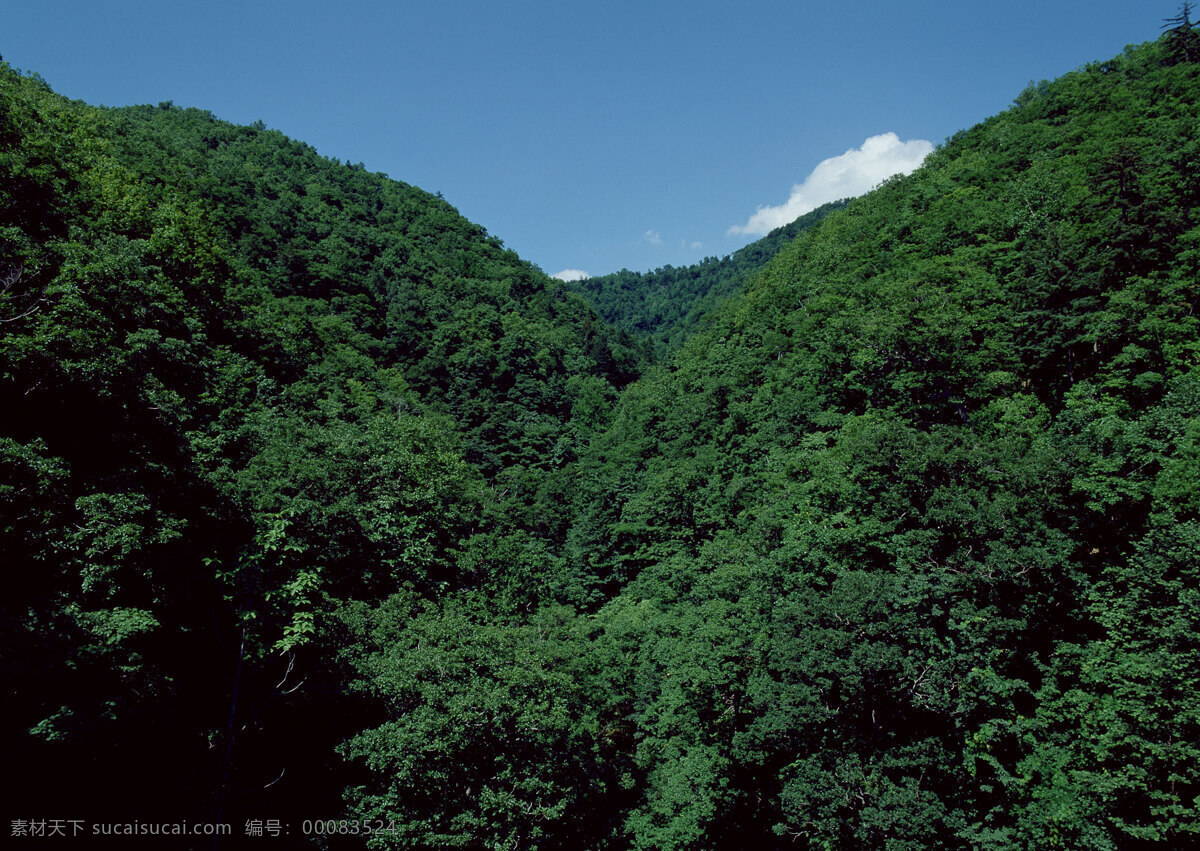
<point x="318" y="504"/>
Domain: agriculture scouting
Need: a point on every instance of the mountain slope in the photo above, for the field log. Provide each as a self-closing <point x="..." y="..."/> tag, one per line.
<point x="245" y="384"/>
<point x="901" y="539"/>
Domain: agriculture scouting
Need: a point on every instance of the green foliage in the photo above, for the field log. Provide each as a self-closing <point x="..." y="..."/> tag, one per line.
<point x="317" y="501"/>
<point x="492" y="741"/>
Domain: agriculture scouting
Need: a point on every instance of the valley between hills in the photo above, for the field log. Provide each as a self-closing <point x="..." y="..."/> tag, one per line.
<point x="323" y="510"/>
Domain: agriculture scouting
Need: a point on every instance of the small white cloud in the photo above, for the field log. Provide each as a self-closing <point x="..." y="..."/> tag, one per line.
<point x="697" y="245"/>
<point x="652" y="237"/>
<point x="571" y="275"/>
<point x="857" y="171"/>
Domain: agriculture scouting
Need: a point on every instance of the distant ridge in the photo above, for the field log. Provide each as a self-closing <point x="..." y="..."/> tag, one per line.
<point x="664" y="307"/>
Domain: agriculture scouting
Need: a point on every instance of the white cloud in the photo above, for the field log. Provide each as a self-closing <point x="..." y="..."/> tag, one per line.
<point x="857" y="171"/>
<point x="652" y="237"/>
<point x="697" y="245"/>
<point x="571" y="275"/>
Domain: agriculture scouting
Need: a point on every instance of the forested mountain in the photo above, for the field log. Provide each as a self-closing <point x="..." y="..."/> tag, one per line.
<point x="318" y="503"/>
<point x="244" y="384"/>
<point x="664" y="307"/>
<point x="907" y="538"/>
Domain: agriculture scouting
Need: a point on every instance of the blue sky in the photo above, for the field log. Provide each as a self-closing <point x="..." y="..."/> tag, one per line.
<point x="587" y="136"/>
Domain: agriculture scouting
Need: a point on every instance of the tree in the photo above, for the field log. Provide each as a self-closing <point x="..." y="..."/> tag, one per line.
<point x="1183" y="42"/>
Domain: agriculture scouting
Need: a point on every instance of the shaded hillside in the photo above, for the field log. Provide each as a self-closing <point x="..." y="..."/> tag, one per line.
<point x="472" y="327"/>
<point x="244" y="383"/>
<point x="666" y="306"/>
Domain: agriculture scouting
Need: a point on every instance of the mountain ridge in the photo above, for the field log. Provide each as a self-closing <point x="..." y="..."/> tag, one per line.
<point x="664" y="306"/>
